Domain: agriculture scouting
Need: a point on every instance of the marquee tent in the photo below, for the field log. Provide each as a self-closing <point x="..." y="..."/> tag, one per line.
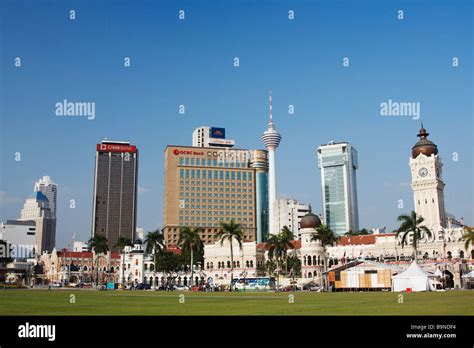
<point x="414" y="278"/>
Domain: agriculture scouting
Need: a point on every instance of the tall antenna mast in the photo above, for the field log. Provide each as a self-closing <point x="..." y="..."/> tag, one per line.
<point x="270" y="100"/>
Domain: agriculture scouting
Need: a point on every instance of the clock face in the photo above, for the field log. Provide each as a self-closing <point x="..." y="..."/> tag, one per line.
<point x="423" y="172"/>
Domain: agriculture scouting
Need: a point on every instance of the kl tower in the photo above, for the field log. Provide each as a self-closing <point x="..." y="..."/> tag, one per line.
<point x="271" y="138"/>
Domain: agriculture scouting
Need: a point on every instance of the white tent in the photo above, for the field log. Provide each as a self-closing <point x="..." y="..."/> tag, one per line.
<point x="414" y="278"/>
<point x="469" y="275"/>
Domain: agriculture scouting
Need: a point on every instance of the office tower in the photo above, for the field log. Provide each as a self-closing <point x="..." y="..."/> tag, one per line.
<point x="338" y="164"/>
<point x="206" y="186"/>
<point x="50" y="190"/>
<point x="211" y="137"/>
<point x="115" y="191"/>
<point x="289" y="212"/>
<point x="259" y="161"/>
<point x="36" y="208"/>
<point x="271" y="138"/>
<point x="428" y="186"/>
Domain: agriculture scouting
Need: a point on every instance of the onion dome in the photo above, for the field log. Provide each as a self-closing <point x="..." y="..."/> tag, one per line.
<point x="310" y="221"/>
<point x="424" y="146"/>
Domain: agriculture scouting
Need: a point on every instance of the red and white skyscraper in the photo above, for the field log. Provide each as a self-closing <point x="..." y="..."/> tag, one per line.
<point x="271" y="138"/>
<point x="115" y="191"/>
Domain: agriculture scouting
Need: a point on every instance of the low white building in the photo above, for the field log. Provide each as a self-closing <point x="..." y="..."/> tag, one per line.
<point x="249" y="261"/>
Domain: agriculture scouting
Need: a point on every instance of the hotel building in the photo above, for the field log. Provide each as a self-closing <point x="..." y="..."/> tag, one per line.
<point x="338" y="164"/>
<point x="114" y="212"/>
<point x="206" y="186"/>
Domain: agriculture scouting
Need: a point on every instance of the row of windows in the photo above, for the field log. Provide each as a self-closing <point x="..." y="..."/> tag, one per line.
<point x="214" y="224"/>
<point x="214" y="174"/>
<point x="221" y="212"/>
<point x="216" y="195"/>
<point x="209" y="189"/>
<point x="199" y="218"/>
<point x="210" y="265"/>
<point x="190" y="161"/>
<point x="198" y="183"/>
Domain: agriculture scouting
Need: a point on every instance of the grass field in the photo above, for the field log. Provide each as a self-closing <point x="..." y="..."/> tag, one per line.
<point x="57" y="302"/>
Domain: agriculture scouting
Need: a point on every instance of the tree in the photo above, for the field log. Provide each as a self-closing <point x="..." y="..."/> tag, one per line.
<point x="231" y="231"/>
<point x="154" y="244"/>
<point x="169" y="262"/>
<point x="123" y="242"/>
<point x="190" y="241"/>
<point x="327" y="237"/>
<point x="362" y="232"/>
<point x="412" y="223"/>
<point x="468" y="237"/>
<point x="98" y="244"/>
<point x="278" y="245"/>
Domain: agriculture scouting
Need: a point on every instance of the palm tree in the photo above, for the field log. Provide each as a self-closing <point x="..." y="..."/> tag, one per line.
<point x="190" y="240"/>
<point x="123" y="242"/>
<point x="154" y="244"/>
<point x="278" y="246"/>
<point x="412" y="223"/>
<point x="98" y="243"/>
<point x="327" y="237"/>
<point x="468" y="237"/>
<point x="230" y="231"/>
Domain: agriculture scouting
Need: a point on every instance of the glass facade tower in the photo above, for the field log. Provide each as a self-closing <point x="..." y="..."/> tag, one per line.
<point x="338" y="164"/>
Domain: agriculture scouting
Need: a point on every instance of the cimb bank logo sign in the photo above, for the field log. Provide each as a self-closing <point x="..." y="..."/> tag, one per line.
<point x="28" y="330"/>
<point x="403" y="109"/>
<point x="73" y="109"/>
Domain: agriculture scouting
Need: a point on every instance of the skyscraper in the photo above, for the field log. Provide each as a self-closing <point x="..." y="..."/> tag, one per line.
<point x="428" y="186"/>
<point x="206" y="185"/>
<point x="271" y="138"/>
<point x="114" y="212"/>
<point x="37" y="209"/>
<point x="338" y="164"/>
<point x="259" y="161"/>
<point x="50" y="190"/>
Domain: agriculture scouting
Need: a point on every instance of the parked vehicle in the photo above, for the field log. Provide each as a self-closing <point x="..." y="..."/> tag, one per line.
<point x="143" y="286"/>
<point x="197" y="288"/>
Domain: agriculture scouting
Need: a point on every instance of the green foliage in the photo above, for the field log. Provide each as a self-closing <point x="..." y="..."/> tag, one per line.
<point x="98" y="243"/>
<point x="412" y="223"/>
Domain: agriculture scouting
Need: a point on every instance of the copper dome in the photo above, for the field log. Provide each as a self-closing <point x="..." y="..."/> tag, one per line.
<point x="424" y="146"/>
<point x="310" y="221"/>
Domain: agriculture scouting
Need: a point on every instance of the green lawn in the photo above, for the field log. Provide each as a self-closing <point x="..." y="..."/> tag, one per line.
<point x="57" y="302"/>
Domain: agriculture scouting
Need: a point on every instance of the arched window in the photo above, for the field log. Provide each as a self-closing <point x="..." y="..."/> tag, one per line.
<point x="314" y="260"/>
<point x="238" y="264"/>
<point x="228" y="264"/>
<point x="450" y="255"/>
<point x="247" y="264"/>
<point x="461" y="254"/>
<point x="310" y="275"/>
<point x="212" y="265"/>
<point x="207" y="265"/>
<point x="304" y="260"/>
<point x="85" y="268"/>
<point x="309" y="260"/>
<point x="251" y="263"/>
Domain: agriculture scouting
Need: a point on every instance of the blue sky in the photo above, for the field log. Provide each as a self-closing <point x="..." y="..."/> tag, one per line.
<point x="190" y="62"/>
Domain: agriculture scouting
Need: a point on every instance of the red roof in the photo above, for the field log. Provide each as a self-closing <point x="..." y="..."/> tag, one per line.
<point x="76" y="254"/>
<point x="357" y="240"/>
<point x="83" y="254"/>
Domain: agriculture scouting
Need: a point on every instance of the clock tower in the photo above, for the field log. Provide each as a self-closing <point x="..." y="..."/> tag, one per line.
<point x="427" y="183"/>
